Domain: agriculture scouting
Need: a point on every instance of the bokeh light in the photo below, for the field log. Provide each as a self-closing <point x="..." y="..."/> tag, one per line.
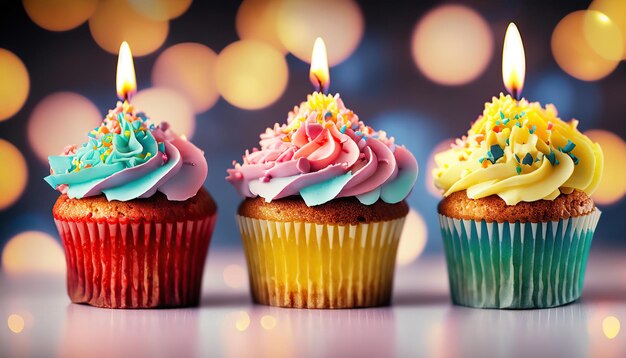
<point x="15" y="322"/>
<point x="431" y="165"/>
<point x="14" y="86"/>
<point x="452" y="45"/>
<point x="166" y="105"/>
<point x="603" y="35"/>
<point x="251" y="74"/>
<point x="242" y="322"/>
<point x="61" y="119"/>
<point x="612" y="187"/>
<point x="412" y="240"/>
<point x="190" y="69"/>
<point x="13" y="174"/>
<point x="611" y="326"/>
<point x="161" y="9"/>
<point x="339" y="23"/>
<point x="616" y="11"/>
<point x="235" y="276"/>
<point x="59" y="15"/>
<point x="572" y="51"/>
<point x="33" y="252"/>
<point x="116" y="20"/>
<point x="268" y="322"/>
<point x="258" y="20"/>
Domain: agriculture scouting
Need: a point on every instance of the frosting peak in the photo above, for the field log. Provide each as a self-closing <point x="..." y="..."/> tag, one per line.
<point x="520" y="152"/>
<point x="324" y="152"/>
<point x="127" y="157"/>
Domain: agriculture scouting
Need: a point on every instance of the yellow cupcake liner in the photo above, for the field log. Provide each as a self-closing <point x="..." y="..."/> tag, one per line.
<point x="308" y="265"/>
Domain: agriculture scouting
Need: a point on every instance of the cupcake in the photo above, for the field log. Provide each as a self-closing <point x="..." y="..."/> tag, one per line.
<point x="517" y="219"/>
<point x="133" y="216"/>
<point x="324" y="208"/>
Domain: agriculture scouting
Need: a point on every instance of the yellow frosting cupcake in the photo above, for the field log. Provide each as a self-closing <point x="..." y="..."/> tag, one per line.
<point x="520" y="151"/>
<point x="517" y="218"/>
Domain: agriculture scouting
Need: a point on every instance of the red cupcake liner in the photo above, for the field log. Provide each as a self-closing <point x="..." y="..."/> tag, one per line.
<point x="135" y="265"/>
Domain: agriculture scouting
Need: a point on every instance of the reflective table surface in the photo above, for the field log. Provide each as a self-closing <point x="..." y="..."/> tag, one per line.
<point x="39" y="321"/>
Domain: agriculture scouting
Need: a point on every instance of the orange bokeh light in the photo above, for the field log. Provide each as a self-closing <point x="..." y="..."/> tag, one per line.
<point x="14" y="86"/>
<point x="59" y="15"/>
<point x="190" y="69"/>
<point x="413" y="239"/>
<point x="616" y="11"/>
<point x="612" y="187"/>
<point x="61" y="119"/>
<point x="166" y="105"/>
<point x="257" y="20"/>
<point x="33" y="252"/>
<point x="574" y="54"/>
<point x="116" y="21"/>
<point x="446" y="31"/>
<point x="13" y="174"/>
<point x="161" y="9"/>
<point x="339" y="23"/>
<point x="251" y="74"/>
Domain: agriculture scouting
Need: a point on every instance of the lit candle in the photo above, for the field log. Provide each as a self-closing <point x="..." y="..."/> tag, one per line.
<point x="513" y="62"/>
<point x="126" y="83"/>
<point x="319" y="75"/>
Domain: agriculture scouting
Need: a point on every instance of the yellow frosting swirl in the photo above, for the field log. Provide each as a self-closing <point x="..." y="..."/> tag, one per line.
<point x="520" y="152"/>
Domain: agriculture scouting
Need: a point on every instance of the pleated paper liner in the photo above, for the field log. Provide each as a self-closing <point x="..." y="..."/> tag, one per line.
<point x="306" y="265"/>
<point x="135" y="265"/>
<point x="517" y="265"/>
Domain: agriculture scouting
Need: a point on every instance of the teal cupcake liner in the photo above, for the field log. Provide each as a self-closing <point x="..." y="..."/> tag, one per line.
<point x="517" y="265"/>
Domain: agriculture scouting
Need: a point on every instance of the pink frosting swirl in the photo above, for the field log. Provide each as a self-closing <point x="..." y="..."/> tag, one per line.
<point x="322" y="153"/>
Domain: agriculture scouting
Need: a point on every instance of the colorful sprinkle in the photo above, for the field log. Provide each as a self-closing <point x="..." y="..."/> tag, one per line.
<point x="507" y="141"/>
<point x="501" y="115"/>
<point x="528" y="159"/>
<point x="552" y="158"/>
<point x="574" y="158"/>
<point x="517" y="158"/>
<point x="550" y="125"/>
<point x="343" y="129"/>
<point x="506" y="121"/>
<point x="496" y="153"/>
<point x="568" y="147"/>
<point x="518" y="170"/>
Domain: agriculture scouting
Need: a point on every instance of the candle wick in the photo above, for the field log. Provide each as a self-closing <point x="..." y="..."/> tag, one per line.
<point x="515" y="93"/>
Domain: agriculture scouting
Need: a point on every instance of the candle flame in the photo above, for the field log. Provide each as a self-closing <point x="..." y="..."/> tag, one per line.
<point x="513" y="61"/>
<point x="126" y="83"/>
<point x="319" y="74"/>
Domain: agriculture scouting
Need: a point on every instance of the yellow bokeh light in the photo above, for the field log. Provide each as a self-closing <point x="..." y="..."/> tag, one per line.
<point x="603" y="35"/>
<point x="452" y="45"/>
<point x="572" y="51"/>
<point x="33" y="252"/>
<point x="166" y="105"/>
<point x="412" y="240"/>
<point x="234" y="276"/>
<point x="13" y="174"/>
<point x="268" y="322"/>
<point x="61" y="119"/>
<point x="59" y="15"/>
<point x="116" y="21"/>
<point x="611" y="326"/>
<point x="612" y="187"/>
<point x="251" y="74"/>
<point x="258" y="20"/>
<point x="14" y="86"/>
<point x="242" y="322"/>
<point x="339" y="23"/>
<point x="16" y="323"/>
<point x="616" y="11"/>
<point x="190" y="69"/>
<point x="161" y="9"/>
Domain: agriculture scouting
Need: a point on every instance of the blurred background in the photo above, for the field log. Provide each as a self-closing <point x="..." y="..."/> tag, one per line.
<point x="222" y="71"/>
